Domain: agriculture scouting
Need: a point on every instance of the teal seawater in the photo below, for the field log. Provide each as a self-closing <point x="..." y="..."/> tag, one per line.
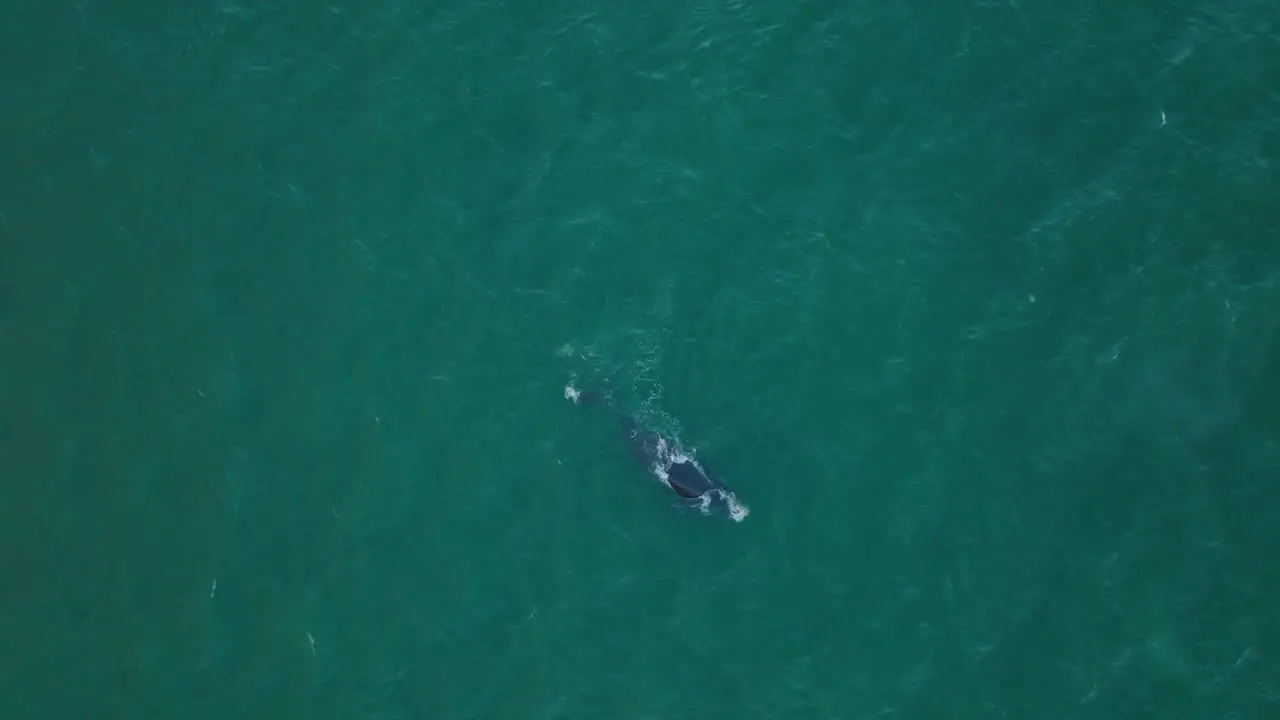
<point x="975" y="304"/>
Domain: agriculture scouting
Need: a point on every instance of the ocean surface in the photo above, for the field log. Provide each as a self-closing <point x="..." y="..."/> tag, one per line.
<point x="974" y="304"/>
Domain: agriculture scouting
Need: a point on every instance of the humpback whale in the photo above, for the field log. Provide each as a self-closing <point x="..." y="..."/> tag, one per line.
<point x="680" y="472"/>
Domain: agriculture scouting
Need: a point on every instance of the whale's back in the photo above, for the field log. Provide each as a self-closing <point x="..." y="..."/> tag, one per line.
<point x="688" y="480"/>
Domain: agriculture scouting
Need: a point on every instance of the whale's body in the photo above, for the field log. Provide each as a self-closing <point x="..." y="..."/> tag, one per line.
<point x="676" y="469"/>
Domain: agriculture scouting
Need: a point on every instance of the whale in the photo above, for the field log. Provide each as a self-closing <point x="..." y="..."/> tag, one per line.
<point x="679" y="471"/>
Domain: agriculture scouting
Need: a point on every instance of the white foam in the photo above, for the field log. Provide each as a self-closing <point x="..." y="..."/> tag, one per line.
<point x="572" y="393"/>
<point x="737" y="510"/>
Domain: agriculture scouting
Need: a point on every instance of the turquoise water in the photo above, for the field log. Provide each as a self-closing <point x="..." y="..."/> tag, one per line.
<point x="976" y="305"/>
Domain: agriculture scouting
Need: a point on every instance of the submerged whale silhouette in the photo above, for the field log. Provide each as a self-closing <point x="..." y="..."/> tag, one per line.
<point x="678" y="471"/>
